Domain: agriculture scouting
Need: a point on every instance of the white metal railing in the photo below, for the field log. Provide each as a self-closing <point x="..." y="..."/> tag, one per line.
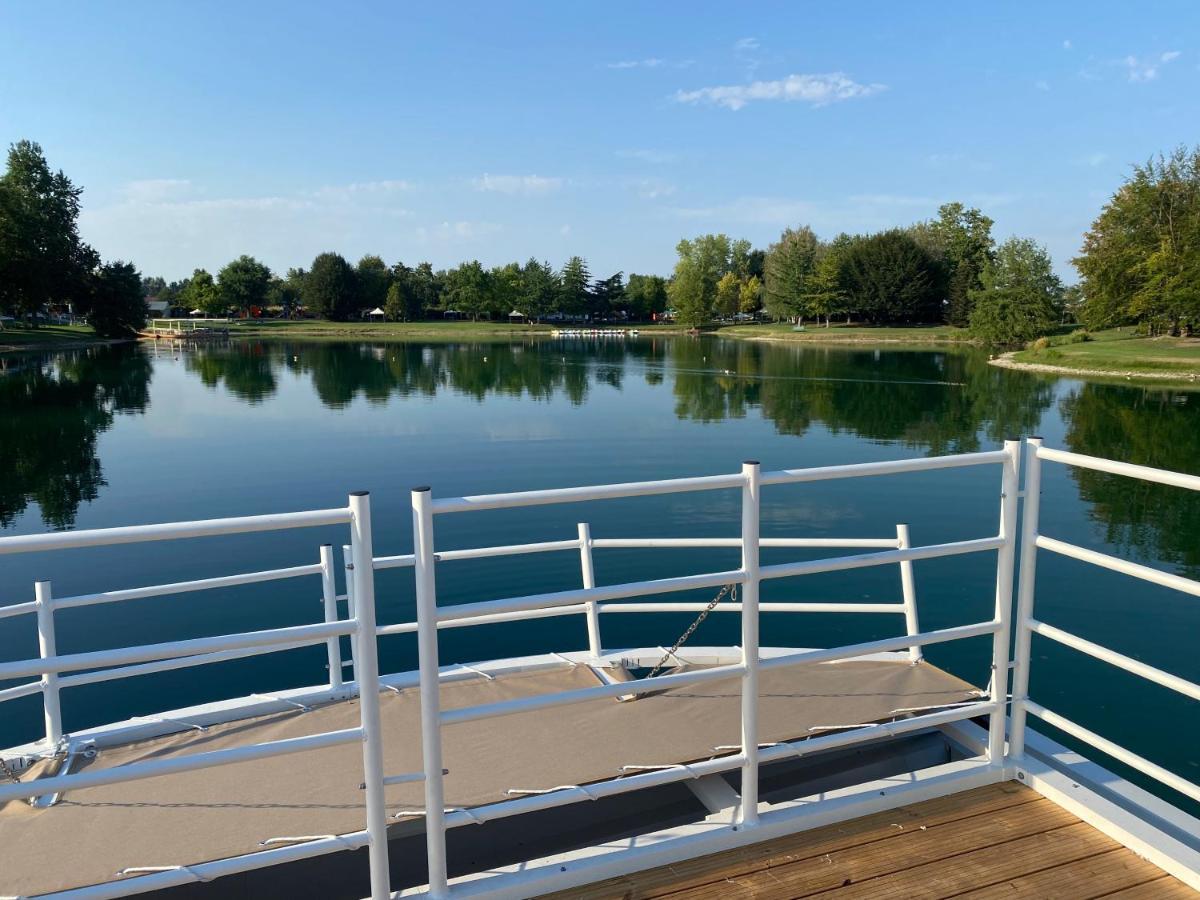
<point x="1027" y="625"/>
<point x="56" y="672"/>
<point x="593" y="600"/>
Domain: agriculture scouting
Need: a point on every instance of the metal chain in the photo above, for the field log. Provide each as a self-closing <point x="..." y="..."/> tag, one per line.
<point x="7" y="772"/>
<point x="730" y="589"/>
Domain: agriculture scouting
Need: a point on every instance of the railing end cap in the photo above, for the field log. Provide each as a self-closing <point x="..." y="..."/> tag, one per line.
<point x="360" y="493"/>
<point x="422" y="489"/>
<point x="750" y="462"/>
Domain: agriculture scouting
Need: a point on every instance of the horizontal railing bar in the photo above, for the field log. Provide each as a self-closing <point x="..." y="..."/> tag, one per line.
<point x="659" y="777"/>
<point x="886" y="645"/>
<point x="1150" y="673"/>
<point x="510" y="550"/>
<point x="1145" y="473"/>
<point x="636" y="543"/>
<point x="763" y="607"/>
<point x="404" y="561"/>
<point x="21" y="690"/>
<point x="132" y="534"/>
<point x="589" y="492"/>
<point x="583" y="695"/>
<point x="151" y="768"/>
<point x="888" y="557"/>
<point x="193" y="647"/>
<point x="183" y="587"/>
<point x="1116" y="751"/>
<point x="180" y="662"/>
<point x="18" y="609"/>
<point x="596" y="594"/>
<point x="548" y="612"/>
<point x="1115" y="564"/>
<point x="888" y="467"/>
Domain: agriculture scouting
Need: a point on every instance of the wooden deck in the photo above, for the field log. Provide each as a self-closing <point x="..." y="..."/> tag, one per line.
<point x="1003" y="841"/>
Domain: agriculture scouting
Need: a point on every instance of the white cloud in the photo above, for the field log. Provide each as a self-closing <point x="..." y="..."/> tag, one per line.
<point x="456" y="231"/>
<point x="154" y="190"/>
<point x="366" y="188"/>
<point x="653" y="188"/>
<point x="564" y="230"/>
<point x="650" y="156"/>
<point x="1092" y="159"/>
<point x="652" y="62"/>
<point x="517" y="184"/>
<point x="1067" y="45"/>
<point x="745" y="45"/>
<point x="1042" y="85"/>
<point x="1147" y="69"/>
<point x="816" y="90"/>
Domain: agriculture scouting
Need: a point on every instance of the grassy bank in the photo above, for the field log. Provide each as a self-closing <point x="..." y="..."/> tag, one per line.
<point x="1114" y="353"/>
<point x="314" y="329"/>
<point x="851" y="334"/>
<point x="48" y="337"/>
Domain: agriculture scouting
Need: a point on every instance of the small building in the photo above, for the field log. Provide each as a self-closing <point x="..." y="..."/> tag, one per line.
<point x="158" y="309"/>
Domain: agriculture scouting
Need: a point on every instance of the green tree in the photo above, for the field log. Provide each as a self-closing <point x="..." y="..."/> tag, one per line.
<point x="505" y="289"/>
<point x="1021" y="297"/>
<point x="788" y="266"/>
<point x="244" y="284"/>
<point x="428" y="287"/>
<point x="962" y="238"/>
<point x="750" y="295"/>
<point x="890" y="278"/>
<point x="825" y="294"/>
<point x="729" y="293"/>
<point x="374" y="279"/>
<point x="467" y="289"/>
<point x="693" y="289"/>
<point x="200" y="292"/>
<point x="115" y="304"/>
<point x="646" y="296"/>
<point x="41" y="256"/>
<point x="608" y="296"/>
<point x="1141" y="259"/>
<point x="286" y="292"/>
<point x="331" y="288"/>
<point x="574" y="281"/>
<point x="539" y="290"/>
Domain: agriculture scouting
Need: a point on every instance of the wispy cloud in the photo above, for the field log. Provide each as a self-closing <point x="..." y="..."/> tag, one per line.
<point x="155" y="190"/>
<point x="745" y="45"/>
<point x="517" y="184"/>
<point x="1067" y="45"/>
<point x="1042" y="85"/>
<point x="652" y="62"/>
<point x="815" y="90"/>
<point x="649" y="156"/>
<point x="1092" y="159"/>
<point x="652" y="188"/>
<point x="456" y="231"/>
<point x="1143" y="69"/>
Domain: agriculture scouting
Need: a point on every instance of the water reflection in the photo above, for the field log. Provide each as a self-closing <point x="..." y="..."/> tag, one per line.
<point x="52" y="410"/>
<point x="1152" y="427"/>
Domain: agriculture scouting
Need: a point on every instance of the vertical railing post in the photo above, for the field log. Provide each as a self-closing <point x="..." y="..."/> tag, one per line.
<point x="909" y="593"/>
<point x="366" y="671"/>
<point x="348" y="563"/>
<point x="431" y="711"/>
<point x="589" y="581"/>
<point x="751" y="490"/>
<point x="329" y="596"/>
<point x="1005" y="562"/>
<point x="1030" y="511"/>
<point x="44" y="597"/>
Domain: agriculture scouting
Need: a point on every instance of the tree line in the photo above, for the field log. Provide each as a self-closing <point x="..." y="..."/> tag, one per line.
<point x="332" y="288"/>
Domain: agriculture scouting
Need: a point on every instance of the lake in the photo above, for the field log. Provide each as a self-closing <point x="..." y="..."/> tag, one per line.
<point x="127" y="435"/>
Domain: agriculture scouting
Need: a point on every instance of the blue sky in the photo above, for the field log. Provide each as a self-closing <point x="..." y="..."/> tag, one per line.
<point x="497" y="131"/>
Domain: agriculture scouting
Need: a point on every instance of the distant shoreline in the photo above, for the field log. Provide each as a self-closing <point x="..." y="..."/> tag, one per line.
<point x="1006" y="361"/>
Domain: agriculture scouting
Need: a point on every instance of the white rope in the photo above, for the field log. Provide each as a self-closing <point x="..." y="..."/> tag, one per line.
<point x="486" y="675"/>
<point x="570" y="662"/>
<point x="562" y="787"/>
<point x="305" y="838"/>
<point x="147" y="870"/>
<point x="683" y="766"/>
<point x="296" y="703"/>
<point x="168" y="721"/>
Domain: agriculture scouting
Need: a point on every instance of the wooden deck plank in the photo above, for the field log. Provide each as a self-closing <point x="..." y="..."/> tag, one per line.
<point x="1093" y="876"/>
<point x="706" y="870"/>
<point x="1002" y="842"/>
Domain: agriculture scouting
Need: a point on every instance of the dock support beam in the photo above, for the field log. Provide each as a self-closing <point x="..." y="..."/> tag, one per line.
<point x="333" y="646"/>
<point x="1005" y="558"/>
<point x="44" y="598"/>
<point x="1025" y="591"/>
<point x="588" y="570"/>
<point x="908" y="591"/>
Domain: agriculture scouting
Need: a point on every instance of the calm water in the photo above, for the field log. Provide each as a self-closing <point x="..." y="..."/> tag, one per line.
<point x="124" y="435"/>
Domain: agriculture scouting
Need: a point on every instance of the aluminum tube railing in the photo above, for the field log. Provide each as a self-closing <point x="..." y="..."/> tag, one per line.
<point x="597" y="594"/>
<point x="890" y="467"/>
<point x="18" y="609"/>
<point x="1116" y="751"/>
<point x="183" y="587"/>
<point x="885" y="645"/>
<point x="136" y="534"/>
<point x="94" y="777"/>
<point x="495" y="618"/>
<point x="582" y="494"/>
<point x="1134" y="666"/>
<point x="193" y="647"/>
<point x="886" y="558"/>
<point x="1143" y="473"/>
<point x="21" y="690"/>
<point x="1116" y="564"/>
<point x="734" y="606"/>
<point x="736" y="543"/>
<point x="584" y="695"/>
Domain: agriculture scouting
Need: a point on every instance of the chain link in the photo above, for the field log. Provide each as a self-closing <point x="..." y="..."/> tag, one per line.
<point x="730" y="589"/>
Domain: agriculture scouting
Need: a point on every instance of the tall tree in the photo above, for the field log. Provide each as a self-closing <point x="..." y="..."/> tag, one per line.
<point x="331" y="288"/>
<point x="41" y="256"/>
<point x="890" y="278"/>
<point x="962" y="238"/>
<point x="505" y="289"/>
<point x="750" y="295"/>
<point x="789" y="264"/>
<point x="825" y="291"/>
<point x="200" y="292"/>
<point x="574" y="281"/>
<point x="428" y="286"/>
<point x="402" y="303"/>
<point x="646" y="296"/>
<point x="115" y="304"/>
<point x="608" y="296"/>
<point x="729" y="290"/>
<point x="374" y="279"/>
<point x="467" y="289"/>
<point x="1141" y="259"/>
<point x="244" y="284"/>
<point x="1021" y="297"/>
<point x="693" y="289"/>
<point x="539" y="289"/>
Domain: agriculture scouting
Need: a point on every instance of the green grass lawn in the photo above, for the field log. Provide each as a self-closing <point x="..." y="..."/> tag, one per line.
<point x="915" y="334"/>
<point x="46" y="335"/>
<point x="300" y="329"/>
<point x="1119" y="351"/>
